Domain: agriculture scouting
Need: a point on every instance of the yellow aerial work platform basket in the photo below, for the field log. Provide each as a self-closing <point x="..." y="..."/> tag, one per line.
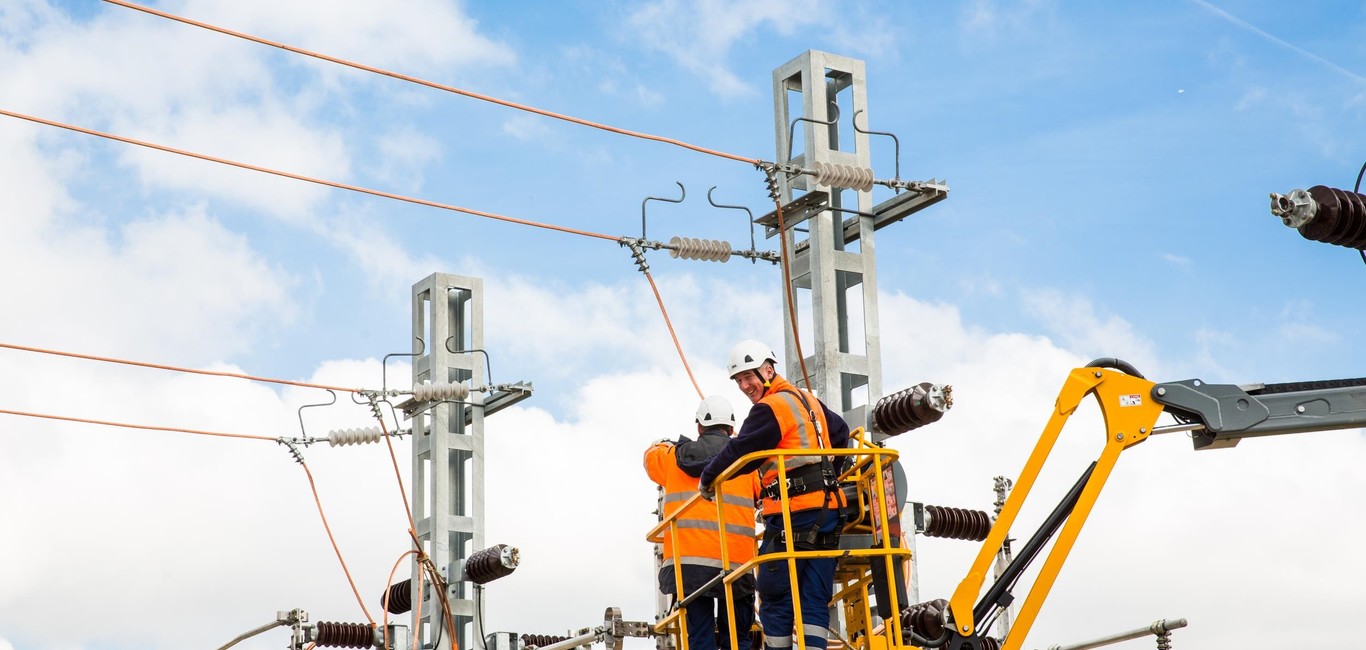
<point x="872" y="510"/>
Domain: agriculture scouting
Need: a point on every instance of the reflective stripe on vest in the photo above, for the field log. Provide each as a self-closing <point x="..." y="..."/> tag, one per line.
<point x="801" y="428"/>
<point x="696" y="536"/>
<point x="728" y="499"/>
<point x="805" y="435"/>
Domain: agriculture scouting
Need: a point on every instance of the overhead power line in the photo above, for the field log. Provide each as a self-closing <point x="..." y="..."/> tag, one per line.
<point x="432" y="84"/>
<point x="307" y="179"/>
<point x="148" y="427"/>
<point x="158" y="366"/>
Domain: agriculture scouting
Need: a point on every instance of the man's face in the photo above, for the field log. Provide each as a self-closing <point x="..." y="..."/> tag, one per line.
<point x="751" y="385"/>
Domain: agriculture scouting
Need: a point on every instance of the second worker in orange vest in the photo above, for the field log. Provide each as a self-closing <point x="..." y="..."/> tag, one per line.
<point x="697" y="549"/>
<point x="787" y="417"/>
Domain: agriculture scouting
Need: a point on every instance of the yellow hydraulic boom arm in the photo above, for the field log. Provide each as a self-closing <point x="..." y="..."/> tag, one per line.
<point x="1218" y="417"/>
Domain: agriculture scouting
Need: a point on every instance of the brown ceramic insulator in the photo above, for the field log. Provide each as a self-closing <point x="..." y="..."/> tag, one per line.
<point x="345" y="635"/>
<point x="1339" y="219"/>
<point x="398" y="598"/>
<point x="490" y="564"/>
<point x="927" y="618"/>
<point x="991" y="643"/>
<point x="542" y="640"/>
<point x="957" y="523"/>
<point x="905" y="410"/>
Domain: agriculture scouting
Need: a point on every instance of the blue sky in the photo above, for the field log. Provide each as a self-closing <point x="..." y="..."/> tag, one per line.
<point x="1109" y="165"/>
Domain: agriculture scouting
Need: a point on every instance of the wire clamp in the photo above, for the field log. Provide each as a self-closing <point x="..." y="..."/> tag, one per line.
<point x="637" y="247"/>
<point x="293" y="445"/>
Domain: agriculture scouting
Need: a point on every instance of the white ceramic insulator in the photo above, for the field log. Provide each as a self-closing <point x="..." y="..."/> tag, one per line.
<point x="427" y="391"/>
<point x="343" y="437"/>
<point x="692" y="248"/>
<point x="837" y="175"/>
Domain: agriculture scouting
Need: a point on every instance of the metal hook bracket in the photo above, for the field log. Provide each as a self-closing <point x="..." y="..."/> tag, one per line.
<point x="896" y="142"/>
<point x="683" y="195"/>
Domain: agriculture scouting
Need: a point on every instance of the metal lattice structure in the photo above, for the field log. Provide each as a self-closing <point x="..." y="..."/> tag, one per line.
<point x="448" y="444"/>
<point x="836" y="258"/>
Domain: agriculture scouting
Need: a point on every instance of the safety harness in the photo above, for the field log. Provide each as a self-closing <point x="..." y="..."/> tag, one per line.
<point x="805" y="479"/>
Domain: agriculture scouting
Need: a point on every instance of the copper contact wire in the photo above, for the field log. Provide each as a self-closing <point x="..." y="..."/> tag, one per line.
<point x="127" y="425"/>
<point x="317" y="500"/>
<point x="677" y="345"/>
<point x="307" y="179"/>
<point x="158" y="366"/>
<point x="432" y="84"/>
<point x="791" y="301"/>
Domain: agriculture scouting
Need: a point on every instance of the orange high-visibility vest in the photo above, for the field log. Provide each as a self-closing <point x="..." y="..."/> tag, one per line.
<point x="699" y="536"/>
<point x="804" y="427"/>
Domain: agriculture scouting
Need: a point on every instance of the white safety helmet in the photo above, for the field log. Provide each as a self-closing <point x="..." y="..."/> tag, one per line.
<point x="749" y="355"/>
<point x="715" y="411"/>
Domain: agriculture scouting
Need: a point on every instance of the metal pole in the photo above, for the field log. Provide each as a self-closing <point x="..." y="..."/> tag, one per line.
<point x="1158" y="628"/>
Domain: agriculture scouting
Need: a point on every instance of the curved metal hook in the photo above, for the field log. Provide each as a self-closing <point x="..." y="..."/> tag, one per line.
<point x="488" y="362"/>
<point x="384" y="365"/>
<point x="684" y="195"/>
<point x="896" y="143"/>
<point x="303" y="432"/>
<point x="750" y="220"/>
<point x="792" y="127"/>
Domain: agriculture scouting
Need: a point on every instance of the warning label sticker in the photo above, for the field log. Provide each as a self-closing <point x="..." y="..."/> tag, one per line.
<point x="1130" y="400"/>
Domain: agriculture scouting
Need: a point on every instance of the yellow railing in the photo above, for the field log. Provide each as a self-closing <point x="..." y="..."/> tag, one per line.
<point x="868" y="471"/>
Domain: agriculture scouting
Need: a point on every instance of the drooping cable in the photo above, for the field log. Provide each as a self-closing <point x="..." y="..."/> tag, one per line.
<point x="158" y="366"/>
<point x="791" y="301"/>
<point x="317" y="500"/>
<point x="390" y="582"/>
<point x="307" y="179"/>
<point x="678" y="346"/>
<point x="432" y="84"/>
<point x="148" y="427"/>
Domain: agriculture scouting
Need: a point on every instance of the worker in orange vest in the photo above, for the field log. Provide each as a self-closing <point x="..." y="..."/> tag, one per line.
<point x="675" y="466"/>
<point x="787" y="417"/>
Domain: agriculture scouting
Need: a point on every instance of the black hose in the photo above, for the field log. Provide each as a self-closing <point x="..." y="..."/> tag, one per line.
<point x="1116" y="364"/>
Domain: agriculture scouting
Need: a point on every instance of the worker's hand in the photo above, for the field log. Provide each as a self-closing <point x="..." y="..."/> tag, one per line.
<point x="708" y="491"/>
<point x="662" y="441"/>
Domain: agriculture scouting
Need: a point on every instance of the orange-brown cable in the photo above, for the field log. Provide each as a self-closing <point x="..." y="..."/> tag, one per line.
<point x="313" y="486"/>
<point x="158" y="366"/>
<point x="307" y="179"/>
<point x="791" y="303"/>
<point x="432" y="84"/>
<point x="678" y="346"/>
<point x="389" y="584"/>
<point x="127" y="425"/>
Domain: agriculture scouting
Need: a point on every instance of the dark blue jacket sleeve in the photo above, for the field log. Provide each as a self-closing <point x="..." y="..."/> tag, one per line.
<point x="759" y="432"/>
<point x="839" y="435"/>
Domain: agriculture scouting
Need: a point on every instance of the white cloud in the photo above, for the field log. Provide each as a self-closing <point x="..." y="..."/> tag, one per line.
<point x="1076" y="324"/>
<point x="699" y="36"/>
<point x="420" y="35"/>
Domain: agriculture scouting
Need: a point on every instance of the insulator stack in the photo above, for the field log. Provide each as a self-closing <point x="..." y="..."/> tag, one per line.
<point x="927" y="618"/>
<point x="398" y="598"/>
<point x="691" y="248"/>
<point x="1325" y="214"/>
<point x="343" y="437"/>
<point x="345" y="635"/>
<point x="836" y="175"/>
<point x="491" y="563"/>
<point x="915" y="407"/>
<point x="956" y="523"/>
<point x="541" y="640"/>
<point x="991" y="643"/>
<point x="427" y="391"/>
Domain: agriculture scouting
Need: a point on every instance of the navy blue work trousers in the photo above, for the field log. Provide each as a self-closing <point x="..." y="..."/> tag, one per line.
<point x="709" y="624"/>
<point x="815" y="585"/>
